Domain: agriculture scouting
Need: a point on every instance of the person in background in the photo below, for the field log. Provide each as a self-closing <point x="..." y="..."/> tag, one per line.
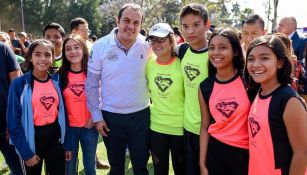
<point x="288" y="26"/>
<point x="94" y="38"/>
<point x="4" y="37"/>
<point x="24" y="43"/>
<point x="80" y="27"/>
<point x="178" y="35"/>
<point x="55" y="33"/>
<point x="298" y="71"/>
<point x="251" y="27"/>
<point x="143" y="32"/>
<point x="14" y="41"/>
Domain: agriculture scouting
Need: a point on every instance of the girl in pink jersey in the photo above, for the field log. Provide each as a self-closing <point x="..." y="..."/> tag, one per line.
<point x="36" y="120"/>
<point x="224" y="107"/>
<point x="80" y="125"/>
<point x="277" y="119"/>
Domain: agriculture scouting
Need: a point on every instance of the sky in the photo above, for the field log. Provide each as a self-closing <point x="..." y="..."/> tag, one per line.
<point x="296" y="8"/>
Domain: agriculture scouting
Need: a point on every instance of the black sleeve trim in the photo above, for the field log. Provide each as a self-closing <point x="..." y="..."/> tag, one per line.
<point x="182" y="50"/>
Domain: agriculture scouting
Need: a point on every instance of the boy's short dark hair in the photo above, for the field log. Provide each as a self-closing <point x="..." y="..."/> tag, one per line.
<point x="252" y="20"/>
<point x="11" y="30"/>
<point x="194" y="9"/>
<point x="74" y="23"/>
<point x="56" y="26"/>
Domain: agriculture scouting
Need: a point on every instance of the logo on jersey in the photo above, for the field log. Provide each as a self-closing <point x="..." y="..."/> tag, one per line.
<point x="111" y="56"/>
<point x="227" y="108"/>
<point x="163" y="83"/>
<point x="47" y="101"/>
<point x="254" y="126"/>
<point x="77" y="89"/>
<point x="191" y="72"/>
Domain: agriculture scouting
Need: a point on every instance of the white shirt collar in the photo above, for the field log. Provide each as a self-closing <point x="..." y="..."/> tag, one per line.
<point x="290" y="36"/>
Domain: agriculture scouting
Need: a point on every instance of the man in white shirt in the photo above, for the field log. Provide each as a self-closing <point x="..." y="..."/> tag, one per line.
<point x="116" y="68"/>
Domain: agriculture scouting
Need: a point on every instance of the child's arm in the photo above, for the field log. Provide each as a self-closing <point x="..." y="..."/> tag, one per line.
<point x="14" y="112"/>
<point x="295" y="119"/>
<point x="204" y="136"/>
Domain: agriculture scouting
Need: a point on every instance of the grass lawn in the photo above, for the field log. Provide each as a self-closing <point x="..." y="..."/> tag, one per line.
<point x="101" y="151"/>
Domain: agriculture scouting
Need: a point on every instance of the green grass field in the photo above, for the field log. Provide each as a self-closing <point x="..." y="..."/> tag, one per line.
<point x="101" y="151"/>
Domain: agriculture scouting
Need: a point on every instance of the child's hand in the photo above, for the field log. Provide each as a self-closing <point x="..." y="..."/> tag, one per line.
<point x="33" y="161"/>
<point x="89" y="123"/>
<point x="68" y="155"/>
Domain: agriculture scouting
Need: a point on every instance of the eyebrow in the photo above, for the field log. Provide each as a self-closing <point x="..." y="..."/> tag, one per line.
<point x="263" y="54"/>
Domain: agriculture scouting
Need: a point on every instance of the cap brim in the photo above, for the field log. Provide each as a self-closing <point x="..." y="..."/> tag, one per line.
<point x="156" y="34"/>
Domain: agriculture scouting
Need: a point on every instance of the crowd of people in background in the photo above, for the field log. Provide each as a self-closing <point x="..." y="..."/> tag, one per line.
<point x="219" y="101"/>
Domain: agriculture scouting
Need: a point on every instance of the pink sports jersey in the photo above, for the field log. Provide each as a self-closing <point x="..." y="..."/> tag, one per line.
<point x="269" y="147"/>
<point x="75" y="100"/>
<point x="229" y="106"/>
<point x="45" y="102"/>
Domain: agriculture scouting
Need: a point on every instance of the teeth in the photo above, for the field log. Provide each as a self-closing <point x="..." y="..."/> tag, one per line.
<point x="258" y="72"/>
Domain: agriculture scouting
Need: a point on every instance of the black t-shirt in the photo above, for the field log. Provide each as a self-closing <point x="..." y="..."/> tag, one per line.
<point x="8" y="63"/>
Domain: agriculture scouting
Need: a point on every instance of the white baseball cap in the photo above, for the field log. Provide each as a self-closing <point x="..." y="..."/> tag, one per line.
<point x="160" y="30"/>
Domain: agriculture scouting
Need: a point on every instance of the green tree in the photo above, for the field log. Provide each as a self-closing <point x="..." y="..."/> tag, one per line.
<point x="245" y="13"/>
<point x="236" y="15"/>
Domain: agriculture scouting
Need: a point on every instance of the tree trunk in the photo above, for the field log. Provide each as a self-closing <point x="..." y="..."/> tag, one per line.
<point x="274" y="23"/>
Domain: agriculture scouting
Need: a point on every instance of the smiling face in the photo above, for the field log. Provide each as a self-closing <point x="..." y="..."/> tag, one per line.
<point x="262" y="65"/>
<point x="129" y="25"/>
<point x="220" y="52"/>
<point x="73" y="52"/>
<point x="194" y="30"/>
<point x="41" y="59"/>
<point x="161" y="46"/>
<point x="55" y="37"/>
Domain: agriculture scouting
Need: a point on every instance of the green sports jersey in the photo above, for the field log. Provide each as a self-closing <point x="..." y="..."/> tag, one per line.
<point x="167" y="97"/>
<point x="20" y="59"/>
<point x="194" y="68"/>
<point x="57" y="63"/>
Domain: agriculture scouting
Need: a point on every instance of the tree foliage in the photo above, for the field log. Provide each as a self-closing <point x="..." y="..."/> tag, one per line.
<point x="101" y="14"/>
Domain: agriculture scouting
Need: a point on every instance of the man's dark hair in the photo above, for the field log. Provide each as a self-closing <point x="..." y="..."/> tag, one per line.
<point x="11" y="30"/>
<point x="74" y="23"/>
<point x="252" y="20"/>
<point x="56" y="26"/>
<point x="194" y="9"/>
<point x="130" y="5"/>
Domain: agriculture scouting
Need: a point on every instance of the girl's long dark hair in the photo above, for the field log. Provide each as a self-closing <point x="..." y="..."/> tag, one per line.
<point x="65" y="68"/>
<point x="238" y="60"/>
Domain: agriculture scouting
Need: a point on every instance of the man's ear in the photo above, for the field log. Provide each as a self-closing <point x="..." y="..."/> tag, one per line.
<point x="116" y="20"/>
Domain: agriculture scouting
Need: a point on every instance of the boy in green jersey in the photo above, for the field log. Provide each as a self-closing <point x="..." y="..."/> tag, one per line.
<point x="194" y="56"/>
<point x="55" y="33"/>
